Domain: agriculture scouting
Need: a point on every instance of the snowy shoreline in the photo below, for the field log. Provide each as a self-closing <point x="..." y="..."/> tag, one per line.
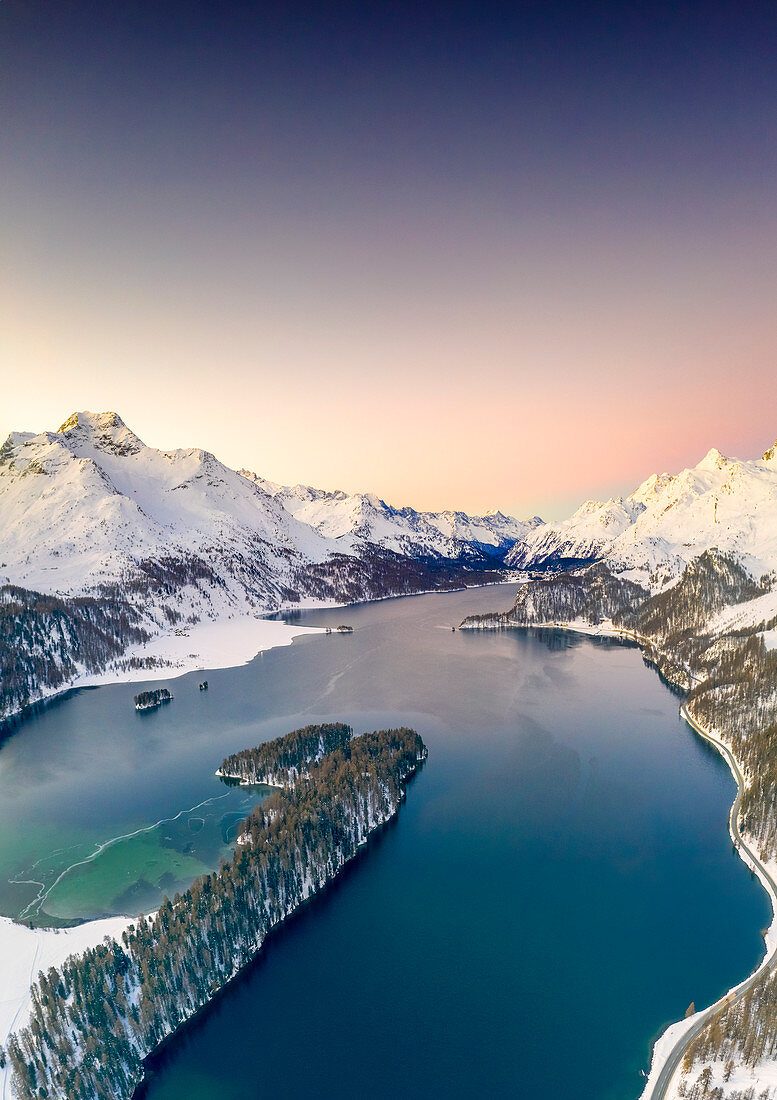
<point x="242" y="782"/>
<point x="205" y="646"/>
<point x="601" y="630"/>
<point x="767" y="873"/>
<point x="666" y="1043"/>
<point x="25" y="951"/>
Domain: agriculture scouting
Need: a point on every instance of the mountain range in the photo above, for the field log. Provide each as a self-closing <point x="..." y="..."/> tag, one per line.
<point x="91" y="506"/>
<point x="105" y="542"/>
<point x="651" y="535"/>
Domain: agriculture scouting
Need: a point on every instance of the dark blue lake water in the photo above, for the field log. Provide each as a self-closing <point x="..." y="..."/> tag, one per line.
<point x="559" y="884"/>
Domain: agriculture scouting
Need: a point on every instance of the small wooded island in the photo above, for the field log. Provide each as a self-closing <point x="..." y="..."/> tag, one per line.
<point x="94" y="1020"/>
<point x="149" y="700"/>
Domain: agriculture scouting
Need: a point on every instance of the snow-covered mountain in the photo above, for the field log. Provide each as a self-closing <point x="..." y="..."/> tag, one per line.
<point x="91" y="506"/>
<point x="358" y="518"/>
<point x="669" y="520"/>
<point x="107" y="544"/>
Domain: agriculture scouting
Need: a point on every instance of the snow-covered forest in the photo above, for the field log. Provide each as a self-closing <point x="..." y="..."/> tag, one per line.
<point x="280" y="762"/>
<point x="95" y="1019"/>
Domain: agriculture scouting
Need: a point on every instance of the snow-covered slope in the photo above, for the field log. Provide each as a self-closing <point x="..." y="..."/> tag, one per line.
<point x="90" y="505"/>
<point x="353" y="519"/>
<point x="665" y="523"/>
<point x="152" y="542"/>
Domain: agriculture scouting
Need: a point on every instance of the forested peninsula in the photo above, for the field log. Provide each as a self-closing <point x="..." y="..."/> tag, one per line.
<point x="95" y="1020"/>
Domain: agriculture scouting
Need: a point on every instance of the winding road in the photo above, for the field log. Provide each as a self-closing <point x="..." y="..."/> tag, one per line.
<point x="770" y="961"/>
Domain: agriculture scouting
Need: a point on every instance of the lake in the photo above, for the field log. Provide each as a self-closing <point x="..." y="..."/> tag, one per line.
<point x="559" y="884"/>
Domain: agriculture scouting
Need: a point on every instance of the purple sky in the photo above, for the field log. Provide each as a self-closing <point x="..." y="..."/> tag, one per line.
<point x="483" y="255"/>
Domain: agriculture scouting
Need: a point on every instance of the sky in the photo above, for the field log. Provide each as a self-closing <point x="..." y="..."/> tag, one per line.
<point x="462" y="255"/>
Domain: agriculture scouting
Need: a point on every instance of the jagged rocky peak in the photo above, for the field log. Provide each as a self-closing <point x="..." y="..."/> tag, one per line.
<point x="770" y="455"/>
<point x="713" y="460"/>
<point x="7" y="450"/>
<point x="590" y="507"/>
<point x="308" y="492"/>
<point x="105" y="431"/>
<point x="651" y="488"/>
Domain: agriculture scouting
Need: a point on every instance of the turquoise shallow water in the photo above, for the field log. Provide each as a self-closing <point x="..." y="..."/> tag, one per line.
<point x="559" y="884"/>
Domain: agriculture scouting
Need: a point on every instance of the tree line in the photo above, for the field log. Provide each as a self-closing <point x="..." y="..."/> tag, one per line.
<point x="280" y="762"/>
<point x="94" y="1019"/>
<point x="45" y="640"/>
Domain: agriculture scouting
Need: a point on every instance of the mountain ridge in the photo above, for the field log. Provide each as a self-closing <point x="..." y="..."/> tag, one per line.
<point x="166" y="539"/>
<point x="652" y="534"/>
<point x="109" y="500"/>
<point x="106" y="543"/>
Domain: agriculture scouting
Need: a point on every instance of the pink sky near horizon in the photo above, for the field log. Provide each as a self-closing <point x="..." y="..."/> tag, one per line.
<point x="499" y="365"/>
<point x="525" y="277"/>
<point x="509" y="450"/>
